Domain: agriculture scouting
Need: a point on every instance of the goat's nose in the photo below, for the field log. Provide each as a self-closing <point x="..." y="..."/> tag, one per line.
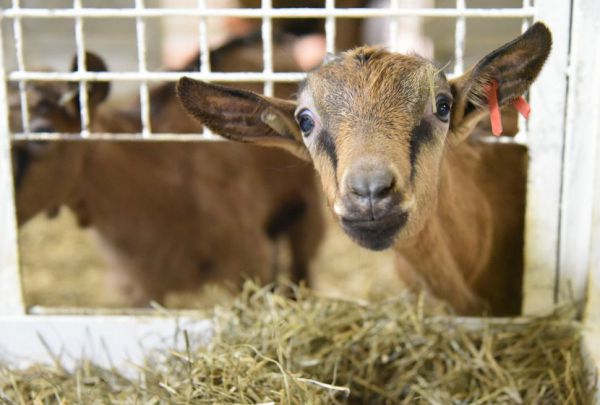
<point x="374" y="184"/>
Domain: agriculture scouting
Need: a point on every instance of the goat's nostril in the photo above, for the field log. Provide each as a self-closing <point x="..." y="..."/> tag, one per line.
<point x="382" y="185"/>
<point x="359" y="189"/>
<point x="372" y="185"/>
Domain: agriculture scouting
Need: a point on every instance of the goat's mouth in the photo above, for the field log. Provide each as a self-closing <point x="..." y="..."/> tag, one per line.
<point x="375" y="234"/>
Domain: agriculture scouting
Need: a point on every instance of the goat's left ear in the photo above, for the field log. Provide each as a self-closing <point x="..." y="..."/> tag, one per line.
<point x="97" y="91"/>
<point x="513" y="67"/>
<point x="242" y="115"/>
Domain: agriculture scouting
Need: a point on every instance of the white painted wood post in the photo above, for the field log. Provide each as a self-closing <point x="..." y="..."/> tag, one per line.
<point x="123" y="342"/>
<point x="546" y="139"/>
<point x="592" y="309"/>
<point x="11" y="297"/>
<point x="582" y="131"/>
<point x="591" y="315"/>
<point x="581" y="210"/>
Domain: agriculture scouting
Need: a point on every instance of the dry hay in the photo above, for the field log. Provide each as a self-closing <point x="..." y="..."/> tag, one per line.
<point x="315" y="350"/>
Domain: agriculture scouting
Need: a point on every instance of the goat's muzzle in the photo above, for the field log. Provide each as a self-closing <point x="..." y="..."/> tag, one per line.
<point x="371" y="211"/>
<point x="375" y="234"/>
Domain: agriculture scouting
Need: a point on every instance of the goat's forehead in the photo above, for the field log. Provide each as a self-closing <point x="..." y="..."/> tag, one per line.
<point x="37" y="92"/>
<point x="372" y="61"/>
<point x="374" y="81"/>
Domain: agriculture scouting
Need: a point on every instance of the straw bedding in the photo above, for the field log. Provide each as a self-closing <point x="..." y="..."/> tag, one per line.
<point x="316" y="350"/>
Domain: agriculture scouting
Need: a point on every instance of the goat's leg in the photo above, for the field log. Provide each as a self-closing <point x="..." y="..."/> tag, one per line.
<point x="305" y="236"/>
<point x="439" y="274"/>
<point x="275" y="259"/>
<point x="448" y="284"/>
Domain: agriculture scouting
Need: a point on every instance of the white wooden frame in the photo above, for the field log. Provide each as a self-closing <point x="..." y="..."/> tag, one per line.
<point x="11" y="295"/>
<point x="122" y="342"/>
<point x="563" y="208"/>
<point x="546" y="143"/>
<point x="580" y="235"/>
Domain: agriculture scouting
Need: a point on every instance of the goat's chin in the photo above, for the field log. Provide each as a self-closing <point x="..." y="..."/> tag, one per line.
<point x="375" y="234"/>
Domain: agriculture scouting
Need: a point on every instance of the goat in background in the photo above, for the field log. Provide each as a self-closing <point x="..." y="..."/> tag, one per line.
<point x="171" y="216"/>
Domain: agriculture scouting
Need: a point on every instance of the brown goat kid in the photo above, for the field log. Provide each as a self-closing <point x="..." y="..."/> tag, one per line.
<point x="387" y="134"/>
<point x="172" y="216"/>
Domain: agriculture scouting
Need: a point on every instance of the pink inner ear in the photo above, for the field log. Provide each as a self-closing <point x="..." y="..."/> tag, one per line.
<point x="495" y="117"/>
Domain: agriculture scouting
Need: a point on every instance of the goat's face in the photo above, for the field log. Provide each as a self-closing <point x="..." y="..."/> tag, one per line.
<point x="45" y="172"/>
<point x="375" y="125"/>
<point x="368" y="122"/>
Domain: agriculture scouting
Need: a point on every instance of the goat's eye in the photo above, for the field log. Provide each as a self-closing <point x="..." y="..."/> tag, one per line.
<point x="443" y="109"/>
<point x="305" y="121"/>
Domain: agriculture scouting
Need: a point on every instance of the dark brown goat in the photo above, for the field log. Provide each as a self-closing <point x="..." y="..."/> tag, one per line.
<point x="171" y="215"/>
<point x="387" y="132"/>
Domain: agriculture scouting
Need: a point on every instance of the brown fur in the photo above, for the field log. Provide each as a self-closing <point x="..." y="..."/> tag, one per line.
<point x="173" y="216"/>
<point x="398" y="173"/>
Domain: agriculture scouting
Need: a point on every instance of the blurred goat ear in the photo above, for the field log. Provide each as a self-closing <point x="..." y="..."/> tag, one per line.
<point x="242" y="115"/>
<point x="512" y="67"/>
<point x="97" y="91"/>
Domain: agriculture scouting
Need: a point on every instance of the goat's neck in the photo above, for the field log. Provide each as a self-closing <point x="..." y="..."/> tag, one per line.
<point x="461" y="219"/>
<point x="453" y="246"/>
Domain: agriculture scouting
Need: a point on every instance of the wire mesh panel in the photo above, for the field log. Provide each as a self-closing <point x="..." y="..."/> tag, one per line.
<point x="143" y="76"/>
<point x="459" y="15"/>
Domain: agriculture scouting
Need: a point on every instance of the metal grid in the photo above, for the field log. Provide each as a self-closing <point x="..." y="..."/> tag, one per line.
<point x="266" y="13"/>
<point x="545" y="182"/>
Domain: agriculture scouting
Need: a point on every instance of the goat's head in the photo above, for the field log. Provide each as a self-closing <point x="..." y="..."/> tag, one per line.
<point x="44" y="171"/>
<point x="376" y="126"/>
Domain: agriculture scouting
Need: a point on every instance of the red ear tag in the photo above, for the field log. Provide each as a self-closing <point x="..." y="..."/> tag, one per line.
<point x="522" y="106"/>
<point x="495" y="117"/>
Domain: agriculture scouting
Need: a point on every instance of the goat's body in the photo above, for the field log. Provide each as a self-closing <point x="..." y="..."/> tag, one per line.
<point x="470" y="252"/>
<point x="174" y="216"/>
<point x="236" y="201"/>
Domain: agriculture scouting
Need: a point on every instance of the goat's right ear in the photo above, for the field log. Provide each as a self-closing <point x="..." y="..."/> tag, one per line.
<point x="242" y="115"/>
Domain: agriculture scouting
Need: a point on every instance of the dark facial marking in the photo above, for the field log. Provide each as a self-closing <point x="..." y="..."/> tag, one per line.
<point x="421" y="134"/>
<point x="327" y="146"/>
